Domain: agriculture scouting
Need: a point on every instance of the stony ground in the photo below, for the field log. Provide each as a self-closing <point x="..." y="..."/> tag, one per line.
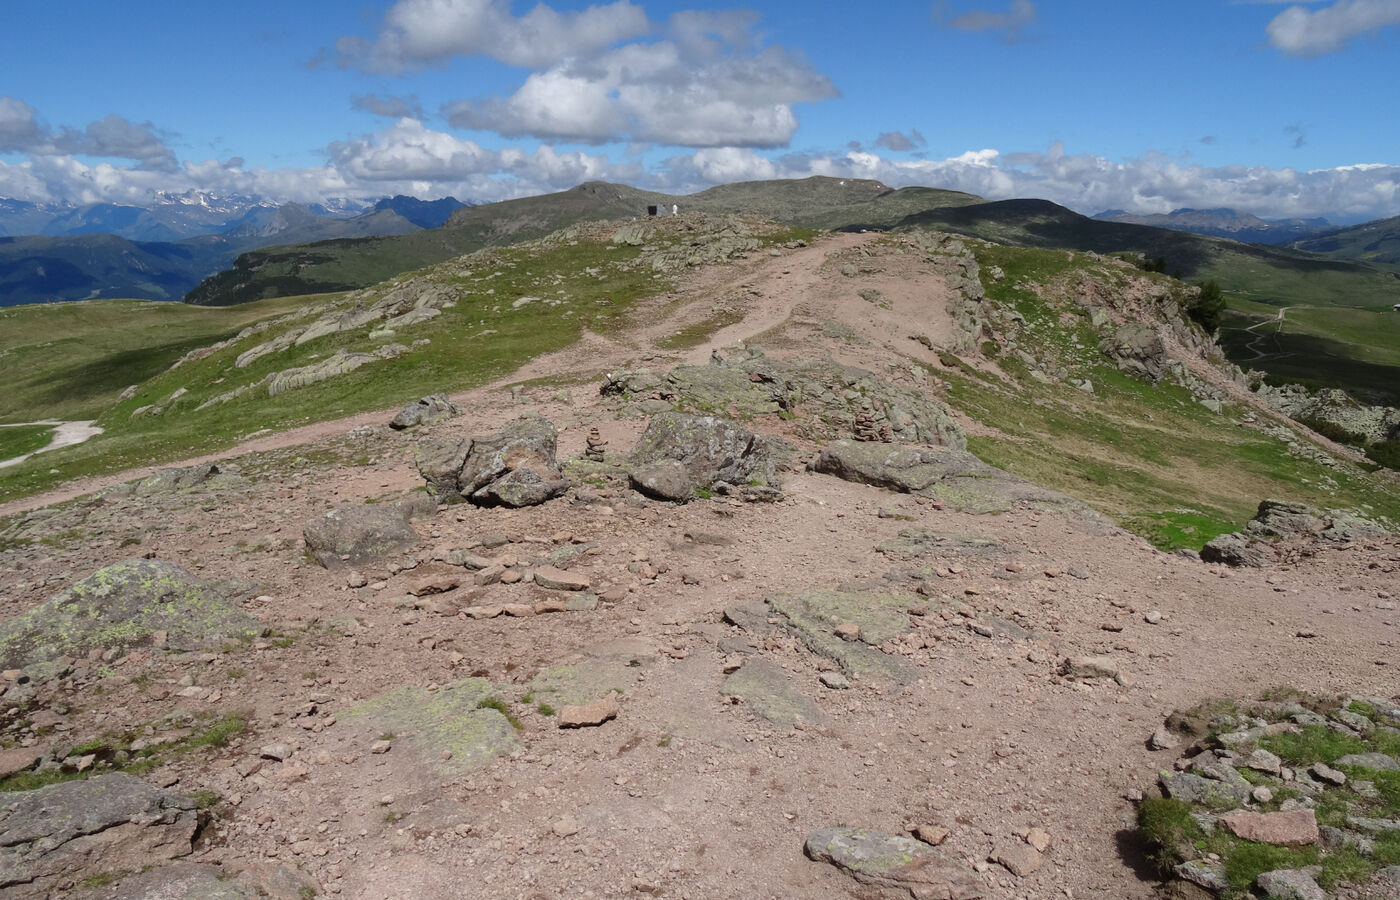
<point x="732" y="740"/>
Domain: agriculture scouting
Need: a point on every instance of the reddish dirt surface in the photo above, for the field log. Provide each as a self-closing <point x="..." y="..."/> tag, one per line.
<point x="686" y="794"/>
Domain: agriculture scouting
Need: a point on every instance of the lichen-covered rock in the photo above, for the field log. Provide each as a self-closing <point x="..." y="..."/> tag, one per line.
<point x="810" y="614"/>
<point x="593" y="673"/>
<point x="513" y="467"/>
<point x="440" y="463"/>
<point x="425" y="411"/>
<point x="89" y="829"/>
<point x="123" y="605"/>
<point x="233" y="881"/>
<point x="894" y="861"/>
<point x="768" y="692"/>
<point x="357" y="534"/>
<point x="707" y="449"/>
<point x="453" y="729"/>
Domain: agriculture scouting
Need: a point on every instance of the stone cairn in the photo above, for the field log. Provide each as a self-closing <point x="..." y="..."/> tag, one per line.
<point x="865" y="428"/>
<point x="596" y="445"/>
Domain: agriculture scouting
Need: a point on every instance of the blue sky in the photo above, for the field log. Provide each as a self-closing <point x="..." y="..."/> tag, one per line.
<point x="1281" y="109"/>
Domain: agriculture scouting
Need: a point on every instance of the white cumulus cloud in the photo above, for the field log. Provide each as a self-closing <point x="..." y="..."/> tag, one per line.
<point x="705" y="85"/>
<point x="1304" y="32"/>
<point x="416" y="33"/>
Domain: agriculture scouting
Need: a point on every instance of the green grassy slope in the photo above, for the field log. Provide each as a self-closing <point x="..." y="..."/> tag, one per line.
<point x="71" y="360"/>
<point x="824" y="203"/>
<point x="17" y="440"/>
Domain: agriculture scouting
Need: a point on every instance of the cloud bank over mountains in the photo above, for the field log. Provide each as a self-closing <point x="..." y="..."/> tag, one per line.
<point x="701" y="98"/>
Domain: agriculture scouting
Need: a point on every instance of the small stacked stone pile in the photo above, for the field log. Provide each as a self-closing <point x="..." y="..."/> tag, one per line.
<point x="865" y="428"/>
<point x="596" y="445"/>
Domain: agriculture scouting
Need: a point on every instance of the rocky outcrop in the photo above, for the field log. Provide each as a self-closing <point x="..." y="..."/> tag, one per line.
<point x="396" y="307"/>
<point x="956" y="477"/>
<point x="89" y="829"/>
<point x="124" y="605"/>
<point x="425" y="411"/>
<point x="341" y="362"/>
<point x="748" y="383"/>
<point x="175" y="481"/>
<point x="680" y="454"/>
<point x="1280" y="527"/>
<point x="513" y="467"/>
<point x="1333" y="413"/>
<point x="357" y="534"/>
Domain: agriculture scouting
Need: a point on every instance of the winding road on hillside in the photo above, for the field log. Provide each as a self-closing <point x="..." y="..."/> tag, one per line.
<point x="1253" y="345"/>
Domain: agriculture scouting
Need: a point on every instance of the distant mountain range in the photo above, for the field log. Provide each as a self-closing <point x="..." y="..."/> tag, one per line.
<point x="1227" y="223"/>
<point x="1266" y="272"/>
<point x="163" y="251"/>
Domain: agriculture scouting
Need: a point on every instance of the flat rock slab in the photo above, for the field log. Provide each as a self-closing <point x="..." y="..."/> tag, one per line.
<point x="1379" y="762"/>
<point x="894" y="861"/>
<point x="915" y="543"/>
<point x="80" y="829"/>
<point x="123" y="605"/>
<point x="1297" y="826"/>
<point x="589" y="714"/>
<point x="880" y="617"/>
<point x="768" y="692"/>
<point x="553" y="579"/>
<point x="193" y="881"/>
<point x="458" y="718"/>
<point x="593" y="673"/>
<point x="958" y="478"/>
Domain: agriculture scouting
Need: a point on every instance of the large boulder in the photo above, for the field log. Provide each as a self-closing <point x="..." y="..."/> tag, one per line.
<point x="680" y="454"/>
<point x="358" y="534"/>
<point x="89" y="829"/>
<point x="425" y="411"/>
<point x="1138" y="350"/>
<point x="514" y="467"/>
<point x="124" y="605"/>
